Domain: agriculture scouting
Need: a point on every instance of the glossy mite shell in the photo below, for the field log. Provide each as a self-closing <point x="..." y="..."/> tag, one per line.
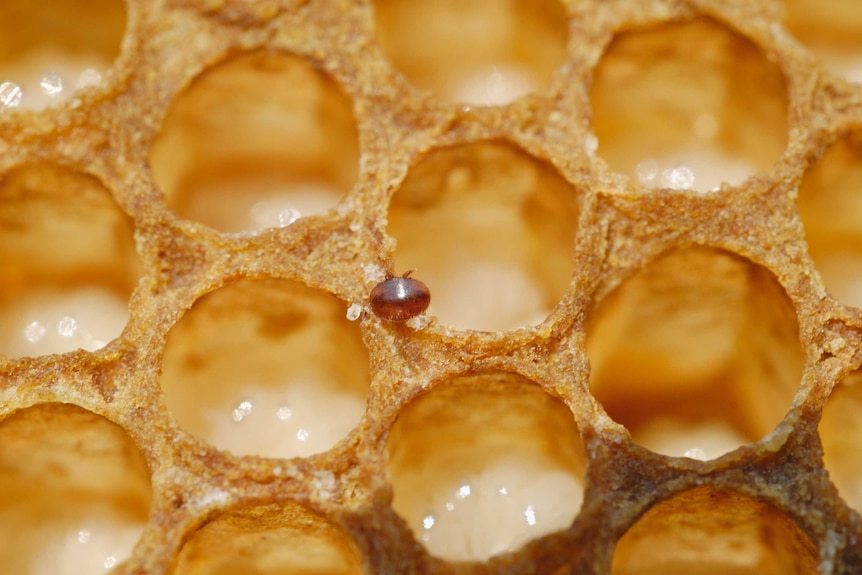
<point x="399" y="299"/>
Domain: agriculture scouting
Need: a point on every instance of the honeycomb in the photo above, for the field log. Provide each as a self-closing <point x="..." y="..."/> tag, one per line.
<point x="639" y="222"/>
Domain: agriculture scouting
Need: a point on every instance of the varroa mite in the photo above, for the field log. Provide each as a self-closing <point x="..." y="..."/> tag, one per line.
<point x="398" y="299"/>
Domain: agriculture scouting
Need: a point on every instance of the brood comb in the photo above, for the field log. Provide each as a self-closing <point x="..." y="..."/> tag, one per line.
<point x="640" y="223"/>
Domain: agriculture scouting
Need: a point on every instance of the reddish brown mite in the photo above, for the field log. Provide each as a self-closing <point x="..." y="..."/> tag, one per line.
<point x="400" y="298"/>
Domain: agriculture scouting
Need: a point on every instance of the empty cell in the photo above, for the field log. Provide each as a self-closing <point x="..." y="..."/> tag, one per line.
<point x="830" y="205"/>
<point x="688" y="105"/>
<point x="711" y="532"/>
<point x="480" y="52"/>
<point x="841" y="435"/>
<point x="266" y="367"/>
<point x="482" y="464"/>
<point x="74" y="492"/>
<point x="51" y="48"/>
<point x="256" y="142"/>
<point x="67" y="262"/>
<point x="269" y="539"/>
<point x="696" y="354"/>
<point x="490" y="231"/>
<point x="831" y="29"/>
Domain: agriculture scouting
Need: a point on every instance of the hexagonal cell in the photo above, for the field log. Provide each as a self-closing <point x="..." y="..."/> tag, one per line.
<point x="831" y="29"/>
<point x="712" y="532"/>
<point x="271" y="539"/>
<point x="688" y="105"/>
<point x="490" y="230"/>
<point x="841" y="434"/>
<point x="478" y="52"/>
<point x="484" y="463"/>
<point x="696" y="354"/>
<point x="267" y="367"/>
<point x="49" y="49"/>
<point x="830" y="206"/>
<point x="74" y="492"/>
<point x="256" y="142"/>
<point x="67" y="262"/>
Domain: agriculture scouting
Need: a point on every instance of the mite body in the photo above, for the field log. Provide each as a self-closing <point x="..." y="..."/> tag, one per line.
<point x="400" y="298"/>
